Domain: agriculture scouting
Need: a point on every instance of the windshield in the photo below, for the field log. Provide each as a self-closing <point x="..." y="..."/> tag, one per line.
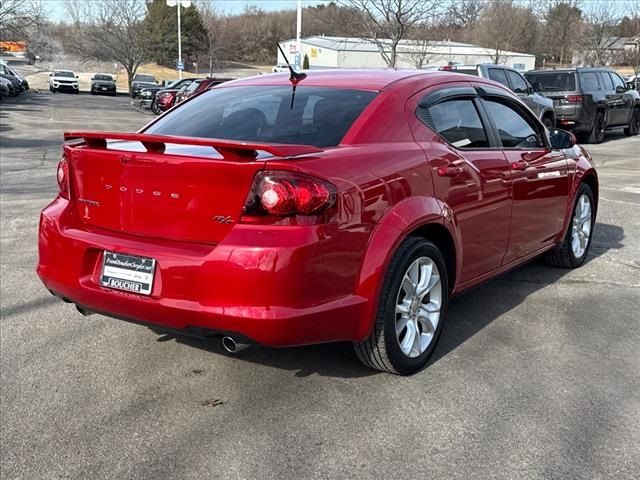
<point x="144" y="78"/>
<point x="552" y="81"/>
<point x="106" y="78"/>
<point x="64" y="74"/>
<point x="320" y="116"/>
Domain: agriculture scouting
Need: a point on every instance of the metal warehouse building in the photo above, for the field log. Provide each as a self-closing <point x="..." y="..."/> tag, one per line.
<point x="348" y="52"/>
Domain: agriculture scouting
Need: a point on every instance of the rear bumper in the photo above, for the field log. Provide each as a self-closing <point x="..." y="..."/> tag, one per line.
<point x="276" y="294"/>
<point x="573" y="118"/>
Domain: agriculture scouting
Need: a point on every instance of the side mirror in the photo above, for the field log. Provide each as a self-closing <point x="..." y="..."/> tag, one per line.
<point x="561" y="139"/>
<point x="621" y="89"/>
<point x="77" y="76"/>
<point x="51" y="74"/>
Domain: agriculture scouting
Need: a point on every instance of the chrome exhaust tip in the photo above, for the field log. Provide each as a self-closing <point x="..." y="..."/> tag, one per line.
<point x="231" y="346"/>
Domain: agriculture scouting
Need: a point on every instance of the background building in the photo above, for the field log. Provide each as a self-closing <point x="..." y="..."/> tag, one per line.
<point x="351" y="52"/>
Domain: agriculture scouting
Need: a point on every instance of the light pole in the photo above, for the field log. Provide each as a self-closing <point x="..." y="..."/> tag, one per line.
<point x="298" y="61"/>
<point x="185" y="4"/>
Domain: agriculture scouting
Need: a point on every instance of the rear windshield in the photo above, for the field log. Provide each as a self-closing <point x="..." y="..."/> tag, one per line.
<point x="552" y="81"/>
<point x="145" y="78"/>
<point x="107" y="78"/>
<point x="319" y="116"/>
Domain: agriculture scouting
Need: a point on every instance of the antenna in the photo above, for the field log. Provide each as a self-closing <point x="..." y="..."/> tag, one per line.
<point x="295" y="77"/>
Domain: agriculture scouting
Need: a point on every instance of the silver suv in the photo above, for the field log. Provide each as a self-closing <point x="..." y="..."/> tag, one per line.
<point x="514" y="81"/>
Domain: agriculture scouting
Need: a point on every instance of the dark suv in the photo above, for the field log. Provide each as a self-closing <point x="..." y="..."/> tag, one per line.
<point x="513" y="80"/>
<point x="589" y="101"/>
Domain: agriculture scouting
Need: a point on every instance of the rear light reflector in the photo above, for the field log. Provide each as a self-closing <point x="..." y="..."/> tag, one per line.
<point x="63" y="178"/>
<point x="283" y="194"/>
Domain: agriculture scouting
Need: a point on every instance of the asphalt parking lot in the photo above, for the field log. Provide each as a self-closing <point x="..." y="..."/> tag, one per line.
<point x="536" y="376"/>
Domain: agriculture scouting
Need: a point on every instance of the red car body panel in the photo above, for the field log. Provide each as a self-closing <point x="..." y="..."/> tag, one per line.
<point x="296" y="282"/>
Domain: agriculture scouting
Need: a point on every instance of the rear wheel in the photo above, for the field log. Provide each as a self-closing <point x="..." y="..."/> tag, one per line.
<point x="411" y="311"/>
<point x="599" y="127"/>
<point x="634" y="124"/>
<point x="577" y="240"/>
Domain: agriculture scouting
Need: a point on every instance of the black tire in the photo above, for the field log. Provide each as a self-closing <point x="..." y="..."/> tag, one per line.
<point x="51" y="89"/>
<point x="381" y="350"/>
<point x="598" y="129"/>
<point x="155" y="109"/>
<point x="563" y="256"/>
<point x="634" y="124"/>
<point x="548" y="122"/>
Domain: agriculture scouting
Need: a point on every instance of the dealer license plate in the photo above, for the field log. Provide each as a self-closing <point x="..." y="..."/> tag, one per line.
<point x="127" y="272"/>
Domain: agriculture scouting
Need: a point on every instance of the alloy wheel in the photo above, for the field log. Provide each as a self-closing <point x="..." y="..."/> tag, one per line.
<point x="581" y="226"/>
<point x="418" y="307"/>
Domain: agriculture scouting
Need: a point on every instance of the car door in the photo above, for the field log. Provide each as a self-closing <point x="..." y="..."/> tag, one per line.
<point x="624" y="99"/>
<point x="539" y="176"/>
<point x="470" y="174"/>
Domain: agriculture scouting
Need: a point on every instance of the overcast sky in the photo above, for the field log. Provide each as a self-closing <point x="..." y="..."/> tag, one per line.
<point x="56" y="8"/>
<point x="57" y="11"/>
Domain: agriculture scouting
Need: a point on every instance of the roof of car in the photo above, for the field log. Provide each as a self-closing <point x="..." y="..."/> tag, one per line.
<point x="62" y="70"/>
<point x="360" y="79"/>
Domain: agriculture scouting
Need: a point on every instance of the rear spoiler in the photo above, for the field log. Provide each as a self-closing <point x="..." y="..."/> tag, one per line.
<point x="229" y="149"/>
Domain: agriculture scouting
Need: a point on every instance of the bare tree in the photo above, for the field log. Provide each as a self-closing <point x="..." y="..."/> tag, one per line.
<point x="213" y="45"/>
<point x="599" y="33"/>
<point x="386" y="22"/>
<point x="110" y="30"/>
<point x="18" y="15"/>
<point x="560" y="32"/>
<point x="501" y="28"/>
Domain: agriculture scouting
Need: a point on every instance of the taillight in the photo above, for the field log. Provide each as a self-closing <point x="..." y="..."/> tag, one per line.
<point x="285" y="194"/>
<point x="63" y="178"/>
<point x="446" y="68"/>
<point x="574" y="98"/>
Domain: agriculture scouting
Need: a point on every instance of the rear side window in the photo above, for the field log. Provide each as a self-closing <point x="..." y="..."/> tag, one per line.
<point x="515" y="131"/>
<point x="319" y="116"/>
<point x="457" y="121"/>
<point x="606" y="79"/>
<point x="518" y="84"/>
<point x="589" y="81"/>
<point x="552" y="81"/>
<point x="499" y="76"/>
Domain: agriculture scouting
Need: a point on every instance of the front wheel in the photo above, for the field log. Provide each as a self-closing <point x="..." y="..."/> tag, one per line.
<point x="634" y="124"/>
<point x="574" y="249"/>
<point x="411" y="311"/>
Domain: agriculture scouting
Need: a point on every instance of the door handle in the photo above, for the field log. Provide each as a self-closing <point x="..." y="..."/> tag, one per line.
<point x="519" y="165"/>
<point x="449" y="171"/>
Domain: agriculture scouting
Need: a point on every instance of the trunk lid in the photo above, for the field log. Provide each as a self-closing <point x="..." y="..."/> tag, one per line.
<point x="171" y="188"/>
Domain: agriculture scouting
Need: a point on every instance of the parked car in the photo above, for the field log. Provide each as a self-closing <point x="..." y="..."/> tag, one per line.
<point x="512" y="79"/>
<point x="12" y="84"/>
<point x="147" y="97"/>
<point x="350" y="209"/>
<point x="15" y="88"/>
<point x="588" y="101"/>
<point x="61" y="80"/>
<point x="7" y="70"/>
<point x="165" y="98"/>
<point x="633" y="81"/>
<point x="5" y="88"/>
<point x="197" y="86"/>
<point x="102" y="83"/>
<point x="280" y="68"/>
<point x="140" y="81"/>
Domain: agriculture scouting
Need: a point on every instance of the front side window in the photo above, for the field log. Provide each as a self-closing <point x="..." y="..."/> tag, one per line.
<point x="518" y="84"/>
<point x="457" y="121"/>
<point x="589" y="81"/>
<point x="514" y="130"/>
<point x="606" y="80"/>
<point x="499" y="76"/>
<point x="617" y="81"/>
<point x="319" y="116"/>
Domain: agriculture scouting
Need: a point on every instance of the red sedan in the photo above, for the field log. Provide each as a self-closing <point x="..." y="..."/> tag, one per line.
<point x="351" y="208"/>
